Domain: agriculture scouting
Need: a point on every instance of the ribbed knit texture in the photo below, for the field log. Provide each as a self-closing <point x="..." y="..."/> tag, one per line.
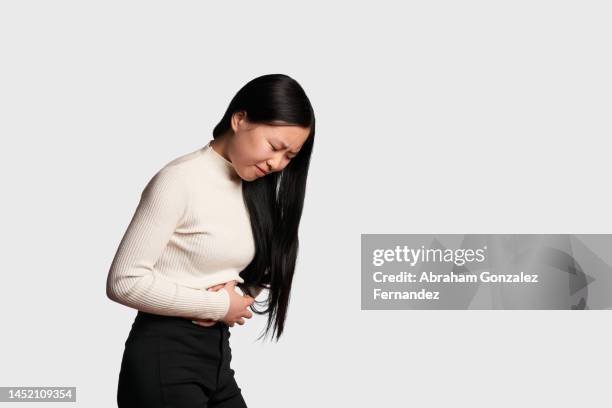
<point x="190" y="231"/>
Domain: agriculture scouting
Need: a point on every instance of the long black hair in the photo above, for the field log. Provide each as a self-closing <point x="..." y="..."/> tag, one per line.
<point x="275" y="201"/>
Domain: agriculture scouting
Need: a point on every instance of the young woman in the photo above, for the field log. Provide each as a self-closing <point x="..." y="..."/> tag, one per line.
<point x="221" y="217"/>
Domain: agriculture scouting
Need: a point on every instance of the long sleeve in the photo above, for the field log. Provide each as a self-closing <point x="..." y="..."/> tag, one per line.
<point x="133" y="279"/>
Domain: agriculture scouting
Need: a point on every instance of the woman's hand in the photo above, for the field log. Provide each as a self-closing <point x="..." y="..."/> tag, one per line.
<point x="217" y="287"/>
<point x="211" y="322"/>
<point x="239" y="304"/>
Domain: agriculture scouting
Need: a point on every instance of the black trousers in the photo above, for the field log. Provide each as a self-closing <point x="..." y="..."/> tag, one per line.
<point x="170" y="362"/>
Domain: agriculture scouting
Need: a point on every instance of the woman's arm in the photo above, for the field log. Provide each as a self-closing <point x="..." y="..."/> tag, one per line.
<point x="133" y="280"/>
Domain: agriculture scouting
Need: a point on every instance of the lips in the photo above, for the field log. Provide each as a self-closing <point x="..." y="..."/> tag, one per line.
<point x="263" y="173"/>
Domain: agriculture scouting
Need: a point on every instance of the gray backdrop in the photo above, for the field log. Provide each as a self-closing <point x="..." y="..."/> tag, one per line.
<point x="433" y="117"/>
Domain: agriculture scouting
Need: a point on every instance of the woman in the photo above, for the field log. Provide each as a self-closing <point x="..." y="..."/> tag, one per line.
<point x="221" y="217"/>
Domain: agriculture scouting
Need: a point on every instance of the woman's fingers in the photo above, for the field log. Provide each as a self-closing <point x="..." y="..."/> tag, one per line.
<point x="230" y="285"/>
<point x="221" y="285"/>
<point x="202" y="323"/>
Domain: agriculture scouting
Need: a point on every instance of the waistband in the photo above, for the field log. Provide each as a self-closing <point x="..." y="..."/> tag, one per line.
<point x="151" y="319"/>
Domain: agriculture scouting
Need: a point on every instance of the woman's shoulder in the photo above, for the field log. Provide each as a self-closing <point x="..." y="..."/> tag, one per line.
<point x="178" y="171"/>
<point x="183" y="166"/>
<point x="184" y="162"/>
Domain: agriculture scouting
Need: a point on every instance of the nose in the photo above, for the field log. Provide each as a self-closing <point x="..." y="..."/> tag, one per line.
<point x="274" y="164"/>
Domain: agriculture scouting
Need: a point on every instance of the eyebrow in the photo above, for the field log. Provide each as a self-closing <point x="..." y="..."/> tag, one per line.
<point x="285" y="145"/>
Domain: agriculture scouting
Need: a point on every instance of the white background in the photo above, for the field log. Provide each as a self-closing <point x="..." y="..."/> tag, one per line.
<point x="432" y="117"/>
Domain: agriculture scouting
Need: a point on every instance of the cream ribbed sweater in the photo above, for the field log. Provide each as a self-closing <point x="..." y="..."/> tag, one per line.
<point x="190" y="231"/>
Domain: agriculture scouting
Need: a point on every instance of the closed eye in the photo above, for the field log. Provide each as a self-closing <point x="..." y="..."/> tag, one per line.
<point x="275" y="149"/>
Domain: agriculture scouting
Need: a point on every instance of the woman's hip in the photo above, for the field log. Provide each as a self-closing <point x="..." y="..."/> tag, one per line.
<point x="180" y="335"/>
<point x="171" y="352"/>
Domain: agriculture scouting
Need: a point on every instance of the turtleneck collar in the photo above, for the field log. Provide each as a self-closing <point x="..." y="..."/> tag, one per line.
<point x="221" y="163"/>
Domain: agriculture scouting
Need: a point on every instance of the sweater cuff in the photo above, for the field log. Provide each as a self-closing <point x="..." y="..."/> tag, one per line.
<point x="215" y="305"/>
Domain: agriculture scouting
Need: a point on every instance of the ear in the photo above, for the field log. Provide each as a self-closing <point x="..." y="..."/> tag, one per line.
<point x="238" y="119"/>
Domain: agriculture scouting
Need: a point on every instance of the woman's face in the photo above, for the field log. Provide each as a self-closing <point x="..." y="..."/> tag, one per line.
<point x="257" y="149"/>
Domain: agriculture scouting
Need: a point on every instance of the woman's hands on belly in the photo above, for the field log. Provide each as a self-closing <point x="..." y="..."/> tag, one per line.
<point x="210" y="322"/>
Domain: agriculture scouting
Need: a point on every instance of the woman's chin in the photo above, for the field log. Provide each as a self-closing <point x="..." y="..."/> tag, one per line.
<point x="250" y="177"/>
